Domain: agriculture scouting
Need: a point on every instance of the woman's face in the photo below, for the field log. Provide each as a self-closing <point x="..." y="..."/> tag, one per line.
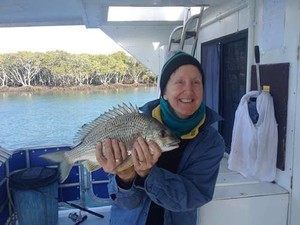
<point x="184" y="91"/>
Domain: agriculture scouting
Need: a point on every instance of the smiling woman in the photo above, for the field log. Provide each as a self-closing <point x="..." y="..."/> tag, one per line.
<point x="72" y="39"/>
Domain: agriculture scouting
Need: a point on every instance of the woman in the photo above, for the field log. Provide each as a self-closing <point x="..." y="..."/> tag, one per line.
<point x="168" y="188"/>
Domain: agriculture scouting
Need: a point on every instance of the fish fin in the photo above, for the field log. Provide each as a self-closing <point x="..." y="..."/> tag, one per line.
<point x="90" y="166"/>
<point x="127" y="163"/>
<point x="64" y="165"/>
<point x="110" y="114"/>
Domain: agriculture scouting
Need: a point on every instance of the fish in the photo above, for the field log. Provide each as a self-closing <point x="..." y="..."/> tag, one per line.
<point x="123" y="122"/>
<point x="4" y="155"/>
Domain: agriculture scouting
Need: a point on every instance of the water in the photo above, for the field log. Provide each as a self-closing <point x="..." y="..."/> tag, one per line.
<point x="53" y="119"/>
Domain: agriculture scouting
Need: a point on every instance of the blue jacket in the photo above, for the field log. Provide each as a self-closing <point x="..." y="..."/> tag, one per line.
<point x="181" y="193"/>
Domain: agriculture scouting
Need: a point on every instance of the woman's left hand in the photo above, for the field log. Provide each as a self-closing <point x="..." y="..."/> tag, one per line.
<point x="144" y="156"/>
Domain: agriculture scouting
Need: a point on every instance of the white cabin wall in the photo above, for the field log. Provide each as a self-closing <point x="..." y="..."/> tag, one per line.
<point x="283" y="53"/>
<point x="287" y="51"/>
<point x="296" y="147"/>
<point x="230" y="24"/>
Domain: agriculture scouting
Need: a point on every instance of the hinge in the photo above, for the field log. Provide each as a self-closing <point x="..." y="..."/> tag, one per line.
<point x="291" y="184"/>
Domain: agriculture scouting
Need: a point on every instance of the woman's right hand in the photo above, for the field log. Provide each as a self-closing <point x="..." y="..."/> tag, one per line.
<point x="115" y="154"/>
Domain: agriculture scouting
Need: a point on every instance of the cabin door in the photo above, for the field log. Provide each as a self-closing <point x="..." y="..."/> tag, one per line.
<point x="225" y="65"/>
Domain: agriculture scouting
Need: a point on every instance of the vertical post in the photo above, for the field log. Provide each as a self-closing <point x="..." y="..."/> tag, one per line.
<point x="257" y="62"/>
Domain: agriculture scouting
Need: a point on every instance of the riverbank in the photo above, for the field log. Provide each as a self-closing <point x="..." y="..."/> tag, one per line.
<point x="73" y="88"/>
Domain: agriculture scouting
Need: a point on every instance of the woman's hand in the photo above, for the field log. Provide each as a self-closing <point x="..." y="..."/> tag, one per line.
<point x="115" y="154"/>
<point x="144" y="156"/>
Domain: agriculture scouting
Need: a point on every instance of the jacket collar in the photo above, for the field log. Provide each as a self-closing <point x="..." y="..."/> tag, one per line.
<point x="211" y="115"/>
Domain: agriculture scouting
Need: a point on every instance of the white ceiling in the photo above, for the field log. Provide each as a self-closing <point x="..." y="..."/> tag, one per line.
<point x="91" y="13"/>
<point x="135" y="37"/>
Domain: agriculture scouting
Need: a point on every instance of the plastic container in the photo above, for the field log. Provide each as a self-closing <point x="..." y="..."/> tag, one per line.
<point x="35" y="193"/>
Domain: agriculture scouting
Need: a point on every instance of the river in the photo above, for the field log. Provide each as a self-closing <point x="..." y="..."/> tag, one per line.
<point x="30" y="120"/>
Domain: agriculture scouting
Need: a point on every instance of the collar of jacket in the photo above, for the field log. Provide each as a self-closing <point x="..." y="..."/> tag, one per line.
<point x="211" y="115"/>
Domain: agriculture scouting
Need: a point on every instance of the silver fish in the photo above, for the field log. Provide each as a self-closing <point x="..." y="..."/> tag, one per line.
<point x="124" y="123"/>
<point x="4" y="155"/>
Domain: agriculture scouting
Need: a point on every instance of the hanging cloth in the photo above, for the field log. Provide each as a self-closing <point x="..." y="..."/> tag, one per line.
<point x="254" y="145"/>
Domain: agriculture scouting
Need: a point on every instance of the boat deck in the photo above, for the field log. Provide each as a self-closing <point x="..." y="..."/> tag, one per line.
<point x="90" y="220"/>
<point x="234" y="193"/>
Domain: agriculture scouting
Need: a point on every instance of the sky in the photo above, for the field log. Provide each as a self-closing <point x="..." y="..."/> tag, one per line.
<point x="72" y="39"/>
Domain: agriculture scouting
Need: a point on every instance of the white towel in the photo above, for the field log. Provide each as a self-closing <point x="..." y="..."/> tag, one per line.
<point x="254" y="146"/>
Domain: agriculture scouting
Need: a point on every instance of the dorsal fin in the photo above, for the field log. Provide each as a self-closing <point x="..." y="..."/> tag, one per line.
<point x="120" y="110"/>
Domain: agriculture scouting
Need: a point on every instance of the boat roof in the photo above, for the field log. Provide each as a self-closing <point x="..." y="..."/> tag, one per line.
<point x="91" y="13"/>
<point x="141" y="27"/>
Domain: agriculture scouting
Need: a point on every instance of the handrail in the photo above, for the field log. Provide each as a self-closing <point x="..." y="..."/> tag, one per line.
<point x="171" y="39"/>
<point x="194" y="34"/>
<point x="187" y="33"/>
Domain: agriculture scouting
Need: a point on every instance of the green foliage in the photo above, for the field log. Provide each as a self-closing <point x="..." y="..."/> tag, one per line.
<point x="59" y="68"/>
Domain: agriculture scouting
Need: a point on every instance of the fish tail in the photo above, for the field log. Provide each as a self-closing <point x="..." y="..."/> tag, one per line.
<point x="65" y="165"/>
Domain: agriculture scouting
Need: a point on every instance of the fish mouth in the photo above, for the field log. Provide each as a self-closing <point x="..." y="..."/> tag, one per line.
<point x="172" y="145"/>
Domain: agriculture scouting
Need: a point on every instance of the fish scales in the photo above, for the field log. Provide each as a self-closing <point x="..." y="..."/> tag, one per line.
<point x="124" y="123"/>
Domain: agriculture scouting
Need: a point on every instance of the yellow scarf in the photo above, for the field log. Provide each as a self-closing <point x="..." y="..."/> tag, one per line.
<point x="193" y="133"/>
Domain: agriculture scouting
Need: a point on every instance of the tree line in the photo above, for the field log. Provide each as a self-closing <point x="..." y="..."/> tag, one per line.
<point x="62" y="69"/>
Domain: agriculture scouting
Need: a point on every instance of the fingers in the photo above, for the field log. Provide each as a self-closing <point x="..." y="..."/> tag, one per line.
<point x="155" y="150"/>
<point x="123" y="149"/>
<point x="142" y="151"/>
<point x="146" y="151"/>
<point x="110" y="154"/>
<point x="99" y="156"/>
<point x="144" y="156"/>
<point x="108" y="150"/>
<point x="116" y="151"/>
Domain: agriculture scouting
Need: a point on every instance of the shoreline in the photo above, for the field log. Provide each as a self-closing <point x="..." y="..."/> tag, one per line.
<point x="41" y="89"/>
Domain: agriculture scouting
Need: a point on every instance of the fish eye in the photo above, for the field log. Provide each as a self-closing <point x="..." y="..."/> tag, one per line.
<point x="163" y="133"/>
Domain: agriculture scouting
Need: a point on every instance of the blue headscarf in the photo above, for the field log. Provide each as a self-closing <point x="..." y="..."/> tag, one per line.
<point x="177" y="125"/>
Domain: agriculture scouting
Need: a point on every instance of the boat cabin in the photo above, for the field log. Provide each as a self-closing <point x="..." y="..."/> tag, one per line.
<point x="243" y="45"/>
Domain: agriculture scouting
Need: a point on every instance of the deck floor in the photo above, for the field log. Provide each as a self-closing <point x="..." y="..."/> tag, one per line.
<point x="63" y="216"/>
<point x="230" y="185"/>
